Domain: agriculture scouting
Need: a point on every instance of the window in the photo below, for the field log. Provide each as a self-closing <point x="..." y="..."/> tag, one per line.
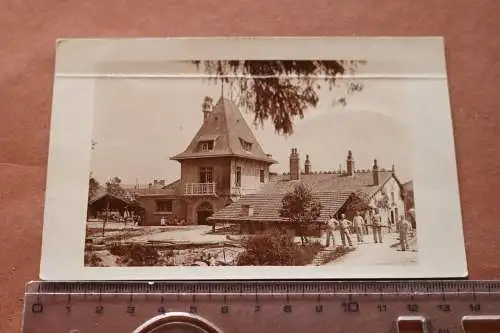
<point x="246" y="145"/>
<point x="262" y="175"/>
<point x="392" y="197"/>
<point x="206" y="145"/>
<point x="206" y="175"/>
<point x="164" y="205"/>
<point x="238" y="177"/>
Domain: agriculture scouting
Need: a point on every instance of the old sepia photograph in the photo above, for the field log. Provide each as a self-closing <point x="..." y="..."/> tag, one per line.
<point x="274" y="163"/>
<point x="272" y="167"/>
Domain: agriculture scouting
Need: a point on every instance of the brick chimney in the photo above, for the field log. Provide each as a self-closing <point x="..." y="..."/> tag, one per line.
<point x="375" y="173"/>
<point x="307" y="166"/>
<point x="350" y="164"/>
<point x="294" y="165"/>
<point x="206" y="107"/>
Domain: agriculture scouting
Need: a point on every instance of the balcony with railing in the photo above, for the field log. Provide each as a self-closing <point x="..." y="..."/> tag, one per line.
<point x="194" y="189"/>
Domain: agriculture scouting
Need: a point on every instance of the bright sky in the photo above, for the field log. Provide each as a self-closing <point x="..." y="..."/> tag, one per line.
<point x="140" y="123"/>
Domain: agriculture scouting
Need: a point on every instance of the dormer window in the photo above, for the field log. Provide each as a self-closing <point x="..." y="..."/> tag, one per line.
<point x="247" y="146"/>
<point x="207" y="145"/>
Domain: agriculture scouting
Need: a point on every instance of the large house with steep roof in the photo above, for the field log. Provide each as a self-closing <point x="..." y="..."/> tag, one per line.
<point x="225" y="178"/>
<point x="222" y="163"/>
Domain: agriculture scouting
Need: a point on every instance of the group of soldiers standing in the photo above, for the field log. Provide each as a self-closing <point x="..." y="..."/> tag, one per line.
<point x="360" y="226"/>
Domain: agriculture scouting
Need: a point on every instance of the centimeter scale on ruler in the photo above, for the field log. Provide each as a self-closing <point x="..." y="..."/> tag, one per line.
<point x="240" y="307"/>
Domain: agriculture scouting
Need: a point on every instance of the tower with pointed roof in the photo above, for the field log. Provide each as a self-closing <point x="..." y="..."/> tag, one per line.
<point x="223" y="162"/>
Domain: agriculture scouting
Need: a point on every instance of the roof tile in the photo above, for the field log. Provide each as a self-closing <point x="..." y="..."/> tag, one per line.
<point x="266" y="207"/>
<point x="169" y="189"/>
<point x="331" y="189"/>
<point x="327" y="182"/>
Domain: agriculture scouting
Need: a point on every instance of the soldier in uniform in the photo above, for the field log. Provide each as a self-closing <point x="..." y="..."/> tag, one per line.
<point x="358" y="226"/>
<point x="368" y="221"/>
<point x="345" y="233"/>
<point x="404" y="231"/>
<point x="377" y="227"/>
<point x="331" y="225"/>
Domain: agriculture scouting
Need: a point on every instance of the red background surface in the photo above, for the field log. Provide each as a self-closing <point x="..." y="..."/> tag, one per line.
<point x="28" y="30"/>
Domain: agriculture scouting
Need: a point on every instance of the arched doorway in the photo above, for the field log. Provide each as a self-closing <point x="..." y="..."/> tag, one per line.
<point x="205" y="210"/>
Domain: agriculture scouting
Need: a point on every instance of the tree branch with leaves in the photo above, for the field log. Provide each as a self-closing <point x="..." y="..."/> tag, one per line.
<point x="93" y="187"/>
<point x="114" y="187"/>
<point x="358" y="202"/>
<point x="382" y="201"/>
<point x="281" y="90"/>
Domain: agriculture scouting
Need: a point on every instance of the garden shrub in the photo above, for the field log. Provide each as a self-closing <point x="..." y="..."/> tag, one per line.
<point x="308" y="252"/>
<point x="92" y="259"/>
<point x="276" y="249"/>
<point x="135" y="254"/>
<point x="117" y="249"/>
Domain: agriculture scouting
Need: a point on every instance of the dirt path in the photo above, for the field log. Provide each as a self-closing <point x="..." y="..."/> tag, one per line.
<point x="189" y="234"/>
<point x="370" y="253"/>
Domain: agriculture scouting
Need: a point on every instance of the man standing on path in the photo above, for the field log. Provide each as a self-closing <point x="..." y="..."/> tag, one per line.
<point x="404" y="231"/>
<point x="377" y="227"/>
<point x="368" y="221"/>
<point x="345" y="233"/>
<point x="358" y="226"/>
<point x="331" y="224"/>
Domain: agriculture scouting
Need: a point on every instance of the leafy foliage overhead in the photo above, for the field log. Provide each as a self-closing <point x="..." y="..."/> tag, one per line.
<point x="113" y="186"/>
<point x="280" y="90"/>
<point x="359" y="202"/>
<point x="93" y="187"/>
<point x="383" y="200"/>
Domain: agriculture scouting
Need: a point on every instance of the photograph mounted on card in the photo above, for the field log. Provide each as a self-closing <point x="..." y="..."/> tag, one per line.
<point x="251" y="158"/>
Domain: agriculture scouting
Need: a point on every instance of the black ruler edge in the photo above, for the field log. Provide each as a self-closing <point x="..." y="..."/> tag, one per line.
<point x="254" y="286"/>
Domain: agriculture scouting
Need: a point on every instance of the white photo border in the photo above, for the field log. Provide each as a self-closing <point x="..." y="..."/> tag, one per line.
<point x="441" y="248"/>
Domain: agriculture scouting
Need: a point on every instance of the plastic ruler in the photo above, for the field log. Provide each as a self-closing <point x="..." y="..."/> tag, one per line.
<point x="263" y="307"/>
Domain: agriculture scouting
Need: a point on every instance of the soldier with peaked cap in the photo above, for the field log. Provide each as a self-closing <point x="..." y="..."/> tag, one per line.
<point x="368" y="221"/>
<point x="358" y="223"/>
<point x="404" y="231"/>
<point x="345" y="233"/>
<point x="331" y="225"/>
<point x="377" y="226"/>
